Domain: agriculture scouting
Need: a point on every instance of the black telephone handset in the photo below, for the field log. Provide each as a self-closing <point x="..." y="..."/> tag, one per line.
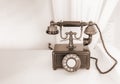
<point x="64" y="52"/>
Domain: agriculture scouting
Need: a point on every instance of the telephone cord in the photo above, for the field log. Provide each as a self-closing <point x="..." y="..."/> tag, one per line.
<point x="96" y="60"/>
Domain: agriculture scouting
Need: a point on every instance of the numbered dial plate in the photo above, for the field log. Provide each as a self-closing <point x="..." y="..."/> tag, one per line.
<point x="71" y="62"/>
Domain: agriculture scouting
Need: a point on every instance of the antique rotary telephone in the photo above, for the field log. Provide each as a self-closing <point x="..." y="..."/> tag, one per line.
<point x="78" y="53"/>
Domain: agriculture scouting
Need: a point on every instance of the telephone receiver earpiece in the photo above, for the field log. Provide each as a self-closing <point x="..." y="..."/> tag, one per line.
<point x="90" y="30"/>
<point x="52" y="29"/>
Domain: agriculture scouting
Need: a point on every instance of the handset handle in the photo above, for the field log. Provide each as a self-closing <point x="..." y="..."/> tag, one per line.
<point x="71" y="23"/>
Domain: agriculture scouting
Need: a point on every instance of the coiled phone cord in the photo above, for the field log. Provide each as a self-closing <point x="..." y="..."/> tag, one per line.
<point x="96" y="60"/>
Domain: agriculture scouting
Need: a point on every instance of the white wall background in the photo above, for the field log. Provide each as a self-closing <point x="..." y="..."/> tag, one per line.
<point x="23" y="24"/>
<point x="116" y="19"/>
